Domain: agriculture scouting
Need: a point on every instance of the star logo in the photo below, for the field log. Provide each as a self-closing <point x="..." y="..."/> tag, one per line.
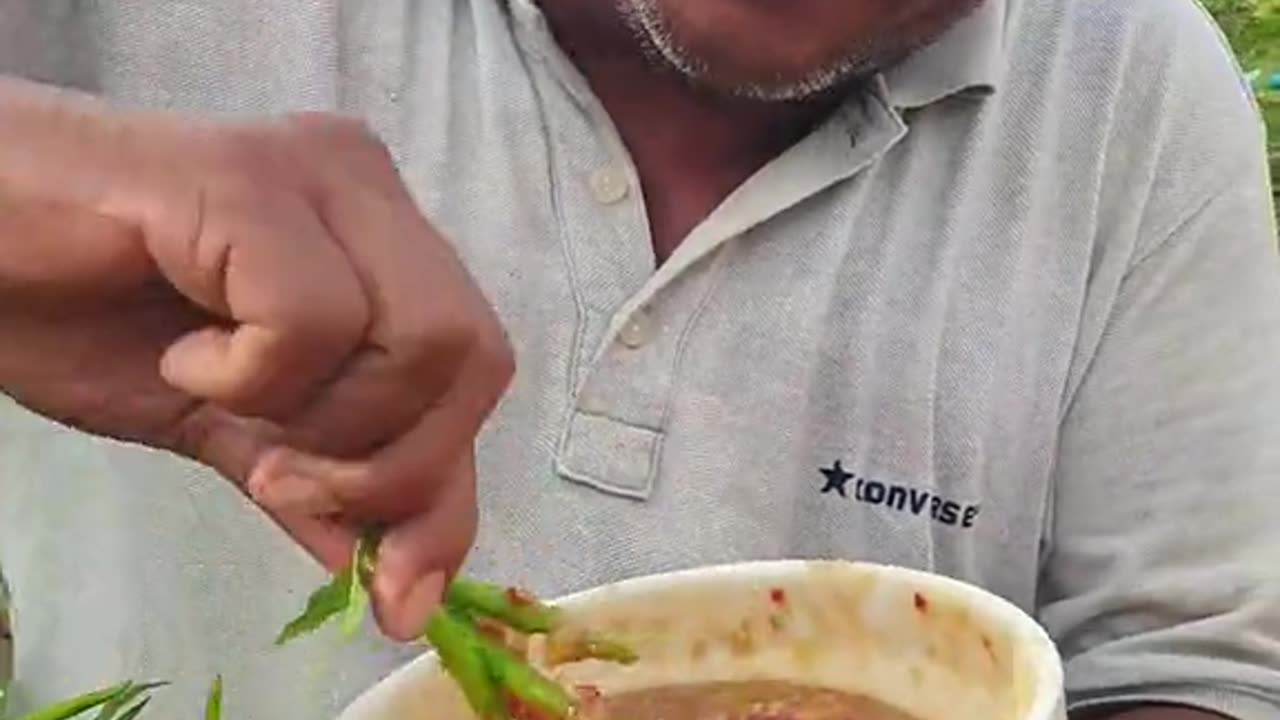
<point x="837" y="478"/>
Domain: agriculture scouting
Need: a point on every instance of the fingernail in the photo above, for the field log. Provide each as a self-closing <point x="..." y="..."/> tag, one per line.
<point x="417" y="604"/>
<point x="294" y="493"/>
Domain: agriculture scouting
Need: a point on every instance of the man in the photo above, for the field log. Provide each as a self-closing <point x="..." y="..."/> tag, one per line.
<point x="987" y="288"/>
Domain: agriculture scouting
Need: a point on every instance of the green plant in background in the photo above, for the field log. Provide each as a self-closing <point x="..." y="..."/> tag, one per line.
<point x="1253" y="28"/>
<point x="125" y="701"/>
<point x="471" y="633"/>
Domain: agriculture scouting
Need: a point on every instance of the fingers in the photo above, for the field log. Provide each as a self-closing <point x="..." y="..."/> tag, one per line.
<point x="400" y="479"/>
<point x="229" y="444"/>
<point x="372" y="401"/>
<point x="358" y="331"/>
<point x="341" y="323"/>
<point x="420" y="555"/>
<point x="427" y="497"/>
<point x="264" y="261"/>
<point x="233" y="445"/>
<point x="325" y="538"/>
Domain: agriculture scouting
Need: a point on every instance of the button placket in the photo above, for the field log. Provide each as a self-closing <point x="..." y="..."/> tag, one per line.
<point x="613" y="441"/>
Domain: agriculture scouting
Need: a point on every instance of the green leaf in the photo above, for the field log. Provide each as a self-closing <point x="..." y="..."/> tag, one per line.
<point x="347" y="594"/>
<point x="358" y="585"/>
<point x="213" y="706"/>
<point x="128" y="693"/>
<point x="366" y="554"/>
<point x="357" y="607"/>
<point x="136" y="710"/>
<point x="323" y="604"/>
<point x="76" y="706"/>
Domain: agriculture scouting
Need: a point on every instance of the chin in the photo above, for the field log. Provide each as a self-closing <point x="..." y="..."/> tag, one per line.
<point x="767" y="49"/>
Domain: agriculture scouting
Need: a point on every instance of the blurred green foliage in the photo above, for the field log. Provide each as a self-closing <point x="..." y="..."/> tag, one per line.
<point x="1253" y="28"/>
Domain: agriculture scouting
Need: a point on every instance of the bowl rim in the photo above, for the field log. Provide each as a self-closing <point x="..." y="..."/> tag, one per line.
<point x="1045" y="660"/>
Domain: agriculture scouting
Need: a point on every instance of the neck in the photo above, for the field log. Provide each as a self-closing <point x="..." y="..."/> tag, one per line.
<point x="685" y="142"/>
<point x="641" y="93"/>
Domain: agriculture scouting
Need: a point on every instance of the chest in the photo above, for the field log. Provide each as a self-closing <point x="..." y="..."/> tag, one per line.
<point x="874" y="367"/>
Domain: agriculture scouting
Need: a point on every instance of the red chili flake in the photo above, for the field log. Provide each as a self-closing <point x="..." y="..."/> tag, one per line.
<point x="518" y="710"/>
<point x="518" y="597"/>
<point x="922" y="604"/>
<point x="590" y="702"/>
<point x="778" y="596"/>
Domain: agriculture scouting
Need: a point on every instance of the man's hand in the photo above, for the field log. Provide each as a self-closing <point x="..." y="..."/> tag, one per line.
<point x="263" y="298"/>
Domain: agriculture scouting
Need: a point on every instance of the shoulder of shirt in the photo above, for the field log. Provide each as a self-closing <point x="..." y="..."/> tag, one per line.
<point x="1159" y="78"/>
<point x="1170" y="46"/>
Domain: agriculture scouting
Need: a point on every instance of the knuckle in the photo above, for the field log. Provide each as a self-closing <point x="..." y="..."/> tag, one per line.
<point x="243" y="150"/>
<point x="429" y="331"/>
<point x="447" y="347"/>
<point x="348" y="322"/>
<point x="247" y="168"/>
<point x="188" y="432"/>
<point x="423" y="340"/>
<point x="319" y="322"/>
<point x="340" y="132"/>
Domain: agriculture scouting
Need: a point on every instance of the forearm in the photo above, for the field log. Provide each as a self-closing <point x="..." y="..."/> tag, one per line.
<point x="56" y="151"/>
<point x="46" y="129"/>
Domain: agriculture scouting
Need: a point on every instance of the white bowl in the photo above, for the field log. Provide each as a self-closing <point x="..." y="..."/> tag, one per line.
<point x="935" y="648"/>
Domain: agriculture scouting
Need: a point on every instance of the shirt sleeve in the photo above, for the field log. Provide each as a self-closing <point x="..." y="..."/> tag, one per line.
<point x="1162" y="574"/>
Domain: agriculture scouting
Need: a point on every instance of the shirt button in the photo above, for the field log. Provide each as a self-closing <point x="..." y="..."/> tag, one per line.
<point x="609" y="185"/>
<point x="637" y="331"/>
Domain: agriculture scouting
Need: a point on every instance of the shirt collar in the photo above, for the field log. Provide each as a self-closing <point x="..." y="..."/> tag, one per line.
<point x="968" y="59"/>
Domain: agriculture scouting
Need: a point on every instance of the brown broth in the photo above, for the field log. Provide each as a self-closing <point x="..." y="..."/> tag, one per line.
<point x="755" y="700"/>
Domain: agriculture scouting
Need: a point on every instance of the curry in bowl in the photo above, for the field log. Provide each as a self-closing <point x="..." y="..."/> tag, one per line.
<point x="789" y="640"/>
<point x="749" y="700"/>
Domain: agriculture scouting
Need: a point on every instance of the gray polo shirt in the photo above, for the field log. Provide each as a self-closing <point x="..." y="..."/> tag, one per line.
<point x="1013" y="316"/>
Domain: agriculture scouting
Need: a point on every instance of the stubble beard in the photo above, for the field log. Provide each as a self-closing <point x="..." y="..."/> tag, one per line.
<point x="652" y="30"/>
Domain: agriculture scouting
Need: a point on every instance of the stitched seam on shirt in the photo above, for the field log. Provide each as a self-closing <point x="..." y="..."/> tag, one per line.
<point x="1169" y="238"/>
<point x="717" y="271"/>
<point x="642" y="493"/>
<point x="566" y="251"/>
<point x="717" y="274"/>
<point x="1172" y="235"/>
<point x="656" y="429"/>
